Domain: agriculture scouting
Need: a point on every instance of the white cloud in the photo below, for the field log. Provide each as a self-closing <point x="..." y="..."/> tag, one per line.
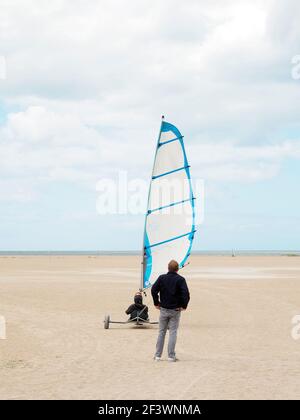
<point x="44" y="145"/>
<point x="18" y="190"/>
<point x="240" y="163"/>
<point x="87" y="82"/>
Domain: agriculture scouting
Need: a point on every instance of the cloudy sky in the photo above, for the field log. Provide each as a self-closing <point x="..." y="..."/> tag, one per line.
<point x="84" y="84"/>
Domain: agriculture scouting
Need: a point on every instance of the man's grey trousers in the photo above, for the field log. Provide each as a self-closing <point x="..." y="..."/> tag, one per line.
<point x="169" y="318"/>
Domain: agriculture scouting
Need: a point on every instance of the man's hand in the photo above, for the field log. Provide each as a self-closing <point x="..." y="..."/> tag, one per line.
<point x="157" y="306"/>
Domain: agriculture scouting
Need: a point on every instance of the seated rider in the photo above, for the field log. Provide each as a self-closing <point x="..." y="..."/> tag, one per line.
<point x="138" y="308"/>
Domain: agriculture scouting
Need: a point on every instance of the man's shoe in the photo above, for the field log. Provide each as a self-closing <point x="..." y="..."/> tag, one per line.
<point x="157" y="359"/>
<point x="172" y="359"/>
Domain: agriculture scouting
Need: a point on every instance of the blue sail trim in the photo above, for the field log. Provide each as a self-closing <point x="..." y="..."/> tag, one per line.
<point x="170" y="172"/>
<point x="147" y="262"/>
<point x="170" y="205"/>
<point x="170" y="127"/>
<point x="169" y="141"/>
<point x="182" y="263"/>
<point x="191" y="234"/>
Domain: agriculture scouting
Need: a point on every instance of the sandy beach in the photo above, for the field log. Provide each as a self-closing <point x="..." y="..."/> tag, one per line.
<point x="234" y="341"/>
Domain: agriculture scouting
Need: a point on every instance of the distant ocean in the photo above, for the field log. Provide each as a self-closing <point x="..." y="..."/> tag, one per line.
<point x="118" y="253"/>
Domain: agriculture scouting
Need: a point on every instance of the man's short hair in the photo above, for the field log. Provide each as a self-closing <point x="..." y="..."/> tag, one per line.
<point x="173" y="266"/>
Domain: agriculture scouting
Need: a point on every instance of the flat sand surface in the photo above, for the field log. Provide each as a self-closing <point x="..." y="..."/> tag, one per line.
<point x="234" y="340"/>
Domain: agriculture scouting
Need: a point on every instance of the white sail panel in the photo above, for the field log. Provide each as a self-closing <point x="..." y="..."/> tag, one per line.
<point x="168" y="222"/>
<point x="170" y="218"/>
<point x="169" y="189"/>
<point x="169" y="157"/>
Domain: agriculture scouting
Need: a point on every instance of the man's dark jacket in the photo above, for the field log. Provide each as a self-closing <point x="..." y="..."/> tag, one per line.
<point x="173" y="291"/>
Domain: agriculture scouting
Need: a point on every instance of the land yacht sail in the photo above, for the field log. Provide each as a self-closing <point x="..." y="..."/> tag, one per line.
<point x="170" y="218"/>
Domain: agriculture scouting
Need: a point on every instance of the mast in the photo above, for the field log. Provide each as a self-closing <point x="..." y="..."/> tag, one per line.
<point x="143" y="248"/>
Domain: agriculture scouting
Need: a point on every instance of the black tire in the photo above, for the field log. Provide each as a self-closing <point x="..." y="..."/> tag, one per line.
<point x="106" y="321"/>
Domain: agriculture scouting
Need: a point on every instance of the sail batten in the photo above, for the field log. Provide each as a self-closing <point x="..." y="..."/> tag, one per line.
<point x="169" y="141"/>
<point x="170" y="217"/>
<point x="170" y="172"/>
<point x="171" y="239"/>
<point x="170" y="205"/>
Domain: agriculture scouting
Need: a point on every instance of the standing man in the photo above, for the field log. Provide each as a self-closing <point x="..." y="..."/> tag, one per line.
<point x="173" y="298"/>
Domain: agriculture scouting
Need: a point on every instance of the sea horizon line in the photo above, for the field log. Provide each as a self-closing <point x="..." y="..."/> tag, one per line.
<point x="232" y="252"/>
